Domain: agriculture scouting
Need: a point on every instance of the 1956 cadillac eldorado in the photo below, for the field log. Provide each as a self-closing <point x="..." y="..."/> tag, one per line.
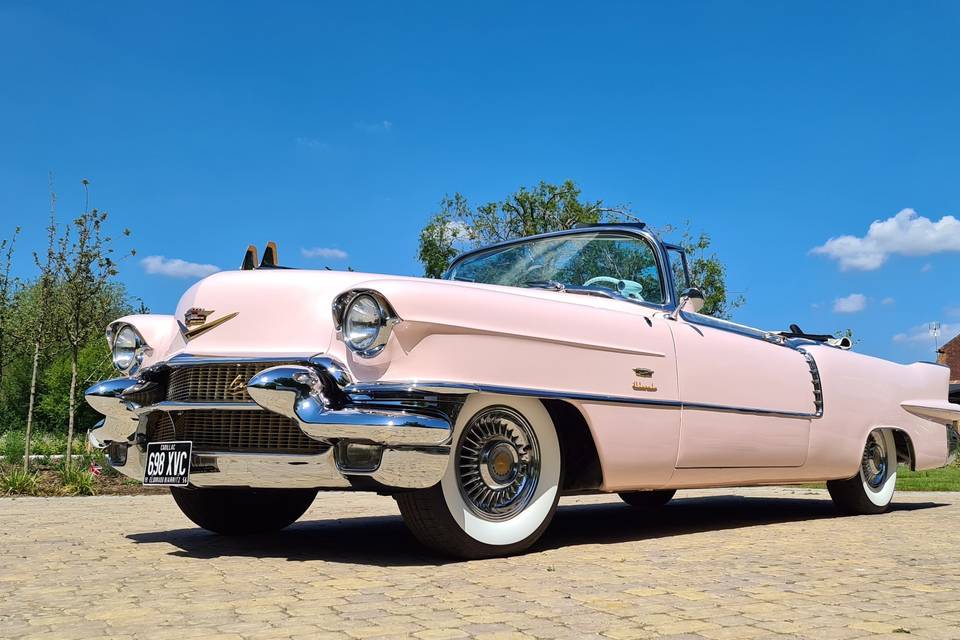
<point x="570" y="362"/>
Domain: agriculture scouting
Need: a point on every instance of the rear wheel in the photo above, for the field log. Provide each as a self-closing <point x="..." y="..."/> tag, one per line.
<point x="648" y="499"/>
<point x="501" y="488"/>
<point x="243" y="511"/>
<point x="871" y="490"/>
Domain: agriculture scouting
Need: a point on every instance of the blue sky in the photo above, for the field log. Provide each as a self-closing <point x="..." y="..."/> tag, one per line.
<point x="774" y="127"/>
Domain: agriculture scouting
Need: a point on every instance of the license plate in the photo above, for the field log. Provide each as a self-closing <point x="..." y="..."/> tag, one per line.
<point x="168" y="464"/>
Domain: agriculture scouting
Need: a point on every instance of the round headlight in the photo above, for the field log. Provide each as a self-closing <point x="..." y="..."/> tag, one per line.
<point x="362" y="323"/>
<point x="127" y="350"/>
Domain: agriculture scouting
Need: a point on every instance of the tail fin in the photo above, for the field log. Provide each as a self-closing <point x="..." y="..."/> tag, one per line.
<point x="270" y="257"/>
<point x="249" y="259"/>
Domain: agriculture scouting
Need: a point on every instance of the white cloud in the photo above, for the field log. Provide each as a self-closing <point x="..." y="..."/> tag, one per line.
<point x="176" y="268"/>
<point x="310" y="143"/>
<point x="921" y="333"/>
<point x="887" y="300"/>
<point x="850" y="304"/>
<point x="324" y="252"/>
<point x="384" y="126"/>
<point x="905" y="234"/>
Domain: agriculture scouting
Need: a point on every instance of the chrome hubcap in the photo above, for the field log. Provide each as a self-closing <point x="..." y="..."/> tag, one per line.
<point x="874" y="463"/>
<point x="498" y="463"/>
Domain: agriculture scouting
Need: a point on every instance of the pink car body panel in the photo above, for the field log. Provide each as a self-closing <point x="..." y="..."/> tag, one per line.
<point x="679" y="428"/>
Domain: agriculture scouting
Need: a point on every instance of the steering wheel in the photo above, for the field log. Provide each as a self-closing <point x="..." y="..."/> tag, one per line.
<point x="626" y="288"/>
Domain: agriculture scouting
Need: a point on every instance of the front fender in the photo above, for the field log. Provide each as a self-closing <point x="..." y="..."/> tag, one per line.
<point x="160" y="332"/>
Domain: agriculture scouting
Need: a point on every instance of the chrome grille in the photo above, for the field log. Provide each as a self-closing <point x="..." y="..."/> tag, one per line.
<point x="233" y="431"/>
<point x="225" y="382"/>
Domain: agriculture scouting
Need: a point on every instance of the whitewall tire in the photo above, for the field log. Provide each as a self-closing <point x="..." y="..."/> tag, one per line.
<point x="871" y="490"/>
<point x="501" y="487"/>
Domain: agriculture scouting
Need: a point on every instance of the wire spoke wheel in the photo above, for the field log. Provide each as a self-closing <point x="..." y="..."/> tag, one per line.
<point x="500" y="489"/>
<point x="498" y="463"/>
<point x="872" y="488"/>
<point x="874" y="463"/>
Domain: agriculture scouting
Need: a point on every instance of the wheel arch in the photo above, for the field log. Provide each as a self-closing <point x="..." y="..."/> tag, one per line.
<point x="581" y="461"/>
<point x="905" y="451"/>
<point x="906" y="454"/>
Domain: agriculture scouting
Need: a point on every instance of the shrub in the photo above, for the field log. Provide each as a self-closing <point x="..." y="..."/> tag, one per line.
<point x="76" y="479"/>
<point x="16" y="481"/>
<point x="48" y="444"/>
<point x="12" y="446"/>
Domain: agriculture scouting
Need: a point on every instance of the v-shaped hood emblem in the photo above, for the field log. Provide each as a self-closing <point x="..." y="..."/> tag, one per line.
<point x="197" y="330"/>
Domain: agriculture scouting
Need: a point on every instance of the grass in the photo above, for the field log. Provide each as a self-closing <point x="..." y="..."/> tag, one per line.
<point x="76" y="480"/>
<point x="943" y="479"/>
<point x="16" y="481"/>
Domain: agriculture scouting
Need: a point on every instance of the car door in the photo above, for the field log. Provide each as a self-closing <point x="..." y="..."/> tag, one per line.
<point x="747" y="401"/>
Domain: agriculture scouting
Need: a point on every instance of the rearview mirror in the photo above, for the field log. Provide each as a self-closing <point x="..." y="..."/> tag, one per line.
<point x="691" y="300"/>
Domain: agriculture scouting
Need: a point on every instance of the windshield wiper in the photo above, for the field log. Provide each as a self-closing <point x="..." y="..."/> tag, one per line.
<point x="589" y="291"/>
<point x="552" y="285"/>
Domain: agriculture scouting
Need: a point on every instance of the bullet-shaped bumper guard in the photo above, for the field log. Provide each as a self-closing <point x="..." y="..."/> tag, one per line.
<point x="301" y="393"/>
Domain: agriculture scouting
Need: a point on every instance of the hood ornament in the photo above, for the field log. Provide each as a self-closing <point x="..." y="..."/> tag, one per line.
<point x="195" y="321"/>
<point x="195" y="316"/>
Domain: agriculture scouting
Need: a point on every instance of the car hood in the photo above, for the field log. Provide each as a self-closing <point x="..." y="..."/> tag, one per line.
<point x="279" y="312"/>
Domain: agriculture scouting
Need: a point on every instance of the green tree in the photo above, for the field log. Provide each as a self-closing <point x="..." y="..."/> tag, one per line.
<point x="8" y="286"/>
<point x="87" y="267"/>
<point x="709" y="274"/>
<point x="458" y="227"/>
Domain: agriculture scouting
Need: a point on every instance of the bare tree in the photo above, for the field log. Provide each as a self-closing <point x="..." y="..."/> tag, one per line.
<point x="86" y="267"/>
<point x="45" y="290"/>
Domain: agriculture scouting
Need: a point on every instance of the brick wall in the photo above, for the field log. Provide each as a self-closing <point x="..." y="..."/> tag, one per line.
<point x="950" y="356"/>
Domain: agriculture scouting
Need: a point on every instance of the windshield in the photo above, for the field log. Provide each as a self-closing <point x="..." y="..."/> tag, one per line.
<point x="605" y="263"/>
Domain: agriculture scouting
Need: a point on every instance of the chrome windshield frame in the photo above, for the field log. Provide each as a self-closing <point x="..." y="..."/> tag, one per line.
<point x="659" y="252"/>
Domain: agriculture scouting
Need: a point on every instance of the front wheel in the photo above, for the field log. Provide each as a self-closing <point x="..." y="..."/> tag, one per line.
<point x="871" y="490"/>
<point x="243" y="511"/>
<point x="501" y="487"/>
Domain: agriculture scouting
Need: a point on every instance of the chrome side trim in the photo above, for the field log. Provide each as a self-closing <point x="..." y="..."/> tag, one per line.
<point x="460" y="387"/>
<point x="817" y="383"/>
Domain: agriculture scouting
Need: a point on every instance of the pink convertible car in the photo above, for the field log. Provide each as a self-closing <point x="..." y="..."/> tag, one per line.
<point x="571" y="362"/>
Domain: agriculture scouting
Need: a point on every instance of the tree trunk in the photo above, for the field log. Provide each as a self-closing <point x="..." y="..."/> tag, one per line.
<point x="33" y="399"/>
<point x="73" y="406"/>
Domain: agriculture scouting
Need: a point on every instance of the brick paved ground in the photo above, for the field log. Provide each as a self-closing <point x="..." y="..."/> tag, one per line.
<point x="752" y="563"/>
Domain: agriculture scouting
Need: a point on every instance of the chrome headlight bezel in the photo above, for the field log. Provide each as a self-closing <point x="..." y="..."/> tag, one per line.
<point x="135" y="352"/>
<point x="347" y="303"/>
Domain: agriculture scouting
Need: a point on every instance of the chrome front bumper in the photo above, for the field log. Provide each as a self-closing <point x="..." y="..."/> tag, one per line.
<point x="413" y="446"/>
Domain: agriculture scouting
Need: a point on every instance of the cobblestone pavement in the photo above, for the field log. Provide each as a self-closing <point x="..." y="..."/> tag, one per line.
<point x="744" y="563"/>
